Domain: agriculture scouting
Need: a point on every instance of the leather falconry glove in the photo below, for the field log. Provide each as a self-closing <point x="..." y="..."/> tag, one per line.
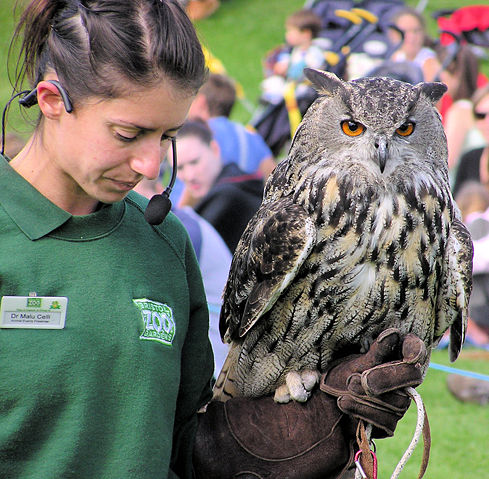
<point x="247" y="438"/>
<point x="372" y="386"/>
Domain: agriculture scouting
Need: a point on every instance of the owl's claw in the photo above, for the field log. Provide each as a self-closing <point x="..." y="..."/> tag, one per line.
<point x="298" y="386"/>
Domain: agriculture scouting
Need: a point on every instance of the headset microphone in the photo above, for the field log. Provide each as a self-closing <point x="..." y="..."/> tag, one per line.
<point x="160" y="205"/>
<point x="31" y="98"/>
<point x="28" y="99"/>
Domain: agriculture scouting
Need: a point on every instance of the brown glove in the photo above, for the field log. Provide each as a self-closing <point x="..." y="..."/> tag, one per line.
<point x="371" y="386"/>
<point x="258" y="438"/>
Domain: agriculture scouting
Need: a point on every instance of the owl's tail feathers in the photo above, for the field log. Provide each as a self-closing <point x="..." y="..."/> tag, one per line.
<point x="225" y="387"/>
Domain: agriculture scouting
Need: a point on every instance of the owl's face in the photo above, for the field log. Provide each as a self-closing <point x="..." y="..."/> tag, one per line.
<point x="381" y="125"/>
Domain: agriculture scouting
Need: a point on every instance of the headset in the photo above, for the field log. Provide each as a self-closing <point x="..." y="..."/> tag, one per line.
<point x="158" y="206"/>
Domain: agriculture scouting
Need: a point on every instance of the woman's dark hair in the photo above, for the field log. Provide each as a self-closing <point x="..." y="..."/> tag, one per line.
<point x="220" y="94"/>
<point x="104" y="47"/>
<point x="465" y="65"/>
<point x="479" y="95"/>
<point x="196" y="128"/>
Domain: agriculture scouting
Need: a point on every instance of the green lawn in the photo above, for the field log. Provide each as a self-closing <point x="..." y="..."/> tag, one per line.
<point x="459" y="431"/>
<point x="239" y="34"/>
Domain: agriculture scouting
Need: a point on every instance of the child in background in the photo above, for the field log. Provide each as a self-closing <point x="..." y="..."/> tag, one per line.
<point x="301" y="28"/>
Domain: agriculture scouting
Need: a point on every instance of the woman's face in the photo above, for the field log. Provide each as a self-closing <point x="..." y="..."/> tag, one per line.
<point x="199" y="165"/>
<point x="105" y="147"/>
<point x="482" y="116"/>
<point x="413" y="35"/>
<point x="450" y="80"/>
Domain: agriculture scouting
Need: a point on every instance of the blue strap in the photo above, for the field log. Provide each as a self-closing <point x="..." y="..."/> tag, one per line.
<point x="461" y="372"/>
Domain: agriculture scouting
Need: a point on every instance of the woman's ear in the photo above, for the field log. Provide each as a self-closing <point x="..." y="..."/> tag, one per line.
<point x="216" y="150"/>
<point x="199" y="109"/>
<point x="50" y="100"/>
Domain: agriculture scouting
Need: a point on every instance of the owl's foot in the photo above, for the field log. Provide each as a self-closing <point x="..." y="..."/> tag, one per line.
<point x="298" y="386"/>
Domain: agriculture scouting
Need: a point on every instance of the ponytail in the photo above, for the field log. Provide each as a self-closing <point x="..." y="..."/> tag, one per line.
<point x="32" y="31"/>
<point x="98" y="47"/>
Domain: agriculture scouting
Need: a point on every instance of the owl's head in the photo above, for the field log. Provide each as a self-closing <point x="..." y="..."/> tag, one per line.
<point x="381" y="124"/>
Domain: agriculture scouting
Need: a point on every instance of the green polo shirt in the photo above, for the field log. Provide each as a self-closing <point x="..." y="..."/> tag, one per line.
<point x="114" y="393"/>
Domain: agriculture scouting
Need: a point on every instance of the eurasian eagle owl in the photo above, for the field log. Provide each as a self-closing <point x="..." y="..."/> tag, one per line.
<point x="357" y="232"/>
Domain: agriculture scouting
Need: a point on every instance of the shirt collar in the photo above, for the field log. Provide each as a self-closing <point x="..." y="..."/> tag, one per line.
<point x="36" y="216"/>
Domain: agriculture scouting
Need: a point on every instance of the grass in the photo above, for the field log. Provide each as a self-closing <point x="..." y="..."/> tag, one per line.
<point x="458" y="430"/>
<point x="240" y="33"/>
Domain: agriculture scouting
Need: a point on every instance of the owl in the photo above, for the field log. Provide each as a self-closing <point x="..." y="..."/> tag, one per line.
<point x="357" y="232"/>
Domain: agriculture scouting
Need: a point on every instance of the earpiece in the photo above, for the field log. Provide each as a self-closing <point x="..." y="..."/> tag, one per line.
<point x="28" y="99"/>
<point x="31" y="98"/>
<point x="160" y="205"/>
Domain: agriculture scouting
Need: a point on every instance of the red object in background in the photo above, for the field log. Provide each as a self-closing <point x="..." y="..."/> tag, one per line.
<point x="464" y="21"/>
<point x="471" y="25"/>
<point x="446" y="101"/>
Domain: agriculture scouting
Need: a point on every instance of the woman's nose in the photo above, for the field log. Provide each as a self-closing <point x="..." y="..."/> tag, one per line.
<point x="147" y="160"/>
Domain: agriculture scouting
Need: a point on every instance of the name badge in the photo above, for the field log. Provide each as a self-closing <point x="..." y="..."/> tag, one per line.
<point x="33" y="312"/>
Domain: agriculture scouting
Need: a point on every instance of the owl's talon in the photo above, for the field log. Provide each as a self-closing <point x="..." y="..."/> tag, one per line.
<point x="310" y="377"/>
<point x="298" y="386"/>
<point x="282" y="394"/>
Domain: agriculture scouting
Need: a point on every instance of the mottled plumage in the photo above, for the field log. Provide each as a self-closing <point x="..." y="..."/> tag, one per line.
<point x="357" y="232"/>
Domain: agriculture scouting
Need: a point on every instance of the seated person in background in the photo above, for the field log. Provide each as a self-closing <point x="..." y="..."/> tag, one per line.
<point x="461" y="77"/>
<point x="473" y="197"/>
<point x="415" y="44"/>
<point x="214" y="260"/>
<point x="474" y="165"/>
<point x="222" y="194"/>
<point x="473" y="201"/>
<point x="301" y="28"/>
<point x="246" y="148"/>
<point x="403" y="71"/>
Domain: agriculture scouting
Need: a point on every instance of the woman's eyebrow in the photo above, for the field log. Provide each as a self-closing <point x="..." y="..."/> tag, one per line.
<point x="144" y="128"/>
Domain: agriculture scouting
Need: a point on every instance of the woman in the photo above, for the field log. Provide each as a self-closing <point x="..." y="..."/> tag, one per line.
<point x="474" y="164"/>
<point x="105" y="353"/>
<point x="414" y="43"/>
<point x="111" y="390"/>
<point x="461" y="78"/>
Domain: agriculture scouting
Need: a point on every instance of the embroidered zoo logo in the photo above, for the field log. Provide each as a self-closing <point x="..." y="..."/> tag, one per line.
<point x="159" y="324"/>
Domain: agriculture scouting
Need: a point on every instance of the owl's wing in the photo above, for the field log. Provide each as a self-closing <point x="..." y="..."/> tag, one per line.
<point x="272" y="248"/>
<point x="453" y="302"/>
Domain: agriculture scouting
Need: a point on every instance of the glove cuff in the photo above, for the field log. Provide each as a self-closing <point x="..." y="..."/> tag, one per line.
<point x="264" y="439"/>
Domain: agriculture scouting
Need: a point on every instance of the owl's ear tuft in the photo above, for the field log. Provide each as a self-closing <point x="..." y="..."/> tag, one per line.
<point x="324" y="82"/>
<point x="432" y="90"/>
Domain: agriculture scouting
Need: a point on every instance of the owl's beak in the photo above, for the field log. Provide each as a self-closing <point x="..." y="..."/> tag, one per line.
<point x="381" y="145"/>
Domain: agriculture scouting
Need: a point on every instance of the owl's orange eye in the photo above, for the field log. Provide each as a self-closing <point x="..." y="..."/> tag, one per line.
<point x="406" y="129"/>
<point x="352" y="128"/>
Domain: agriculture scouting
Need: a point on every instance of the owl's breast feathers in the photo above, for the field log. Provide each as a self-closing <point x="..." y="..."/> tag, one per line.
<point x="392" y="252"/>
<point x="335" y="263"/>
